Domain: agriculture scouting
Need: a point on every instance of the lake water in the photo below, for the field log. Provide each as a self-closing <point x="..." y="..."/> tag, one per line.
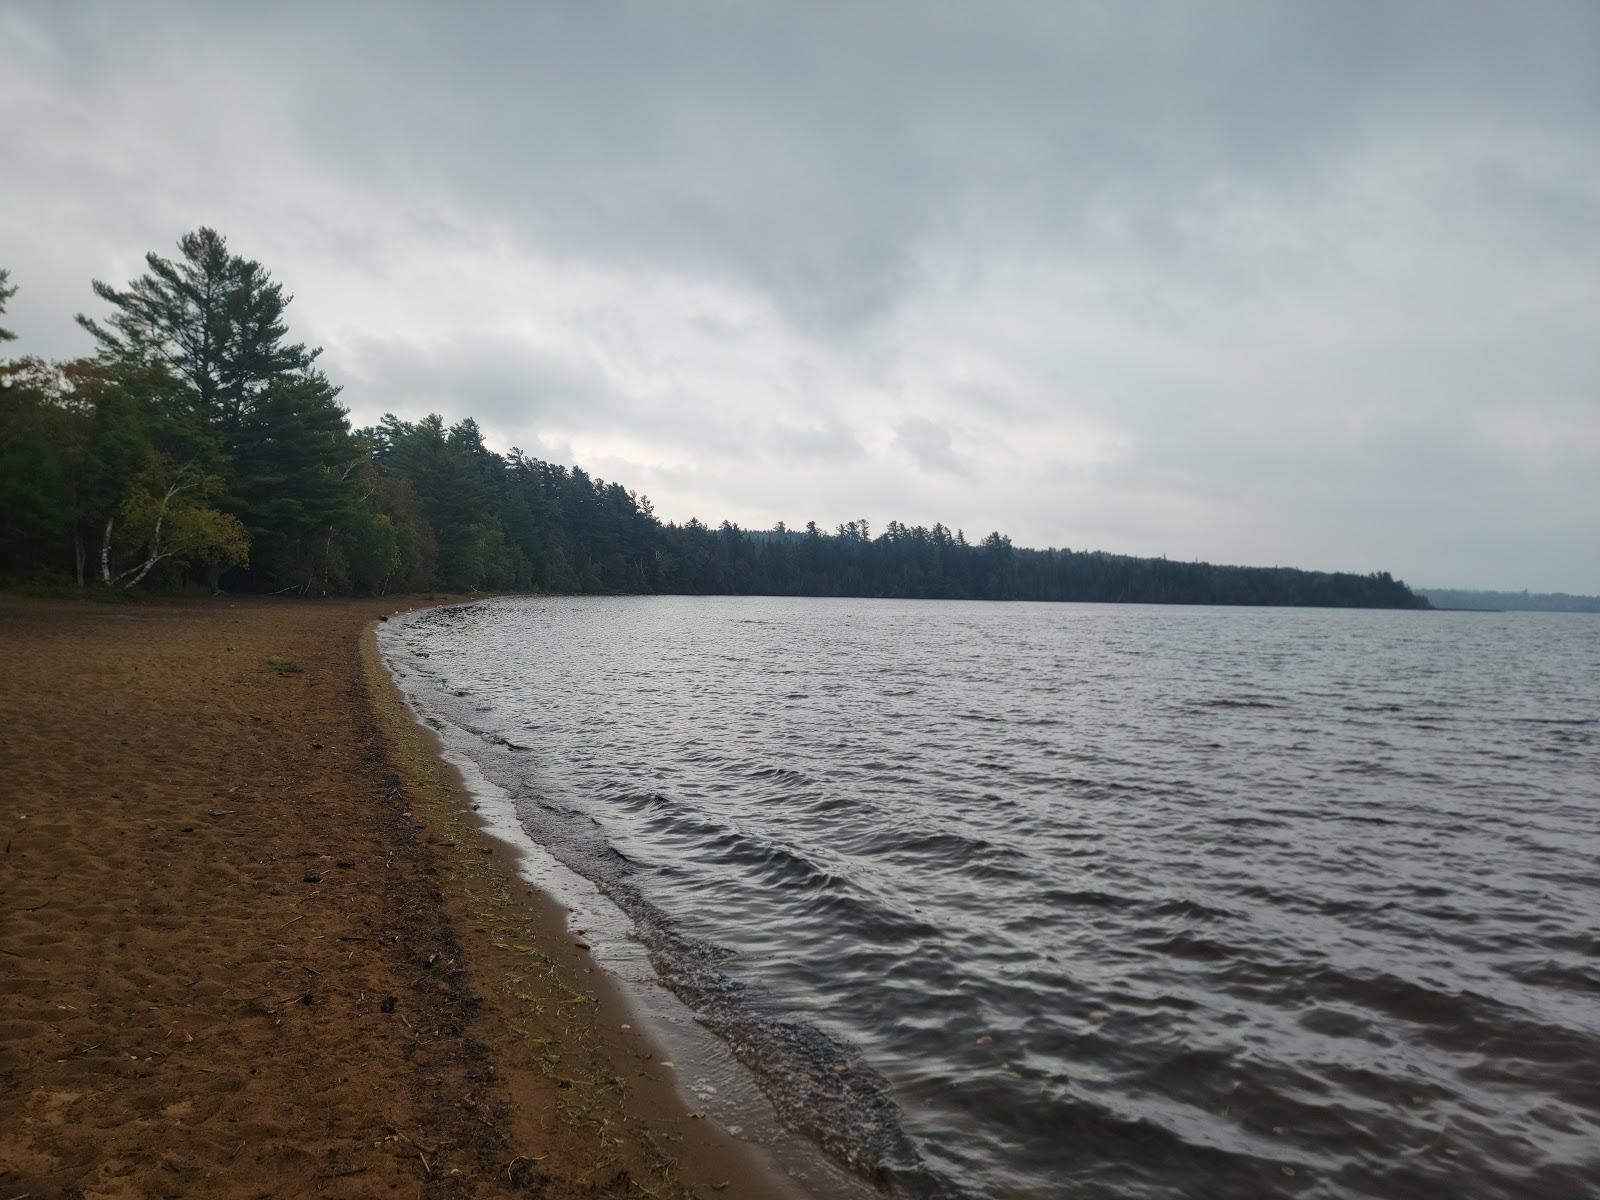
<point x="1030" y="900"/>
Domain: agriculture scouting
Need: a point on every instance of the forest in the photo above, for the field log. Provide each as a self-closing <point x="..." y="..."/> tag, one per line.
<point x="201" y="447"/>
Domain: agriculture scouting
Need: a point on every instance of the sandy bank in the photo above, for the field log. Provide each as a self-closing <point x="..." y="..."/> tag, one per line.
<point x="252" y="944"/>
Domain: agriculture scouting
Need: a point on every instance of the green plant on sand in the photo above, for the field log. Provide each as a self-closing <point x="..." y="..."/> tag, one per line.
<point x="284" y="666"/>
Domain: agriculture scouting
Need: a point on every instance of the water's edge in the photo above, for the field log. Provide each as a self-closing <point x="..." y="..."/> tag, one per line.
<point x="709" y="1076"/>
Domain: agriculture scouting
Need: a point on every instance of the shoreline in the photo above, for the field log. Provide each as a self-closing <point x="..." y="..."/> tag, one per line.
<point x="702" y="1076"/>
<point x="258" y="942"/>
<point x="627" y="1029"/>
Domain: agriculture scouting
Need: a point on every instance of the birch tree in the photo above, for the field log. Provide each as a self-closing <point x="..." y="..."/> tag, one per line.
<point x="165" y="517"/>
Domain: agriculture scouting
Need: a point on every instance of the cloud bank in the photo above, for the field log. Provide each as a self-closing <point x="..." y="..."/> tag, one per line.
<point x="1260" y="283"/>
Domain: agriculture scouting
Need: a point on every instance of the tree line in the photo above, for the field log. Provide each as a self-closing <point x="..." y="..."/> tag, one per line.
<point x="201" y="446"/>
<point x="1524" y="601"/>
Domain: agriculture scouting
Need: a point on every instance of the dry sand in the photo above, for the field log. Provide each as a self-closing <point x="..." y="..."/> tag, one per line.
<point x="252" y="945"/>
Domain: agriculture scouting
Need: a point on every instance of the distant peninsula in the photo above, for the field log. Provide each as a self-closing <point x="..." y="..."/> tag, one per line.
<point x="1524" y="601"/>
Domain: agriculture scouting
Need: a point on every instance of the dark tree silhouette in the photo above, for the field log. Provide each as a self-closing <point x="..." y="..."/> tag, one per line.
<point x="200" y="415"/>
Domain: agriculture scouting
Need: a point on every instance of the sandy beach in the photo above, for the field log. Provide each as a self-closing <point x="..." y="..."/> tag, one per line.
<point x="252" y="943"/>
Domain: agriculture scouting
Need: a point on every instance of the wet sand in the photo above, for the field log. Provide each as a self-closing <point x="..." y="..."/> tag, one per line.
<point x="253" y="944"/>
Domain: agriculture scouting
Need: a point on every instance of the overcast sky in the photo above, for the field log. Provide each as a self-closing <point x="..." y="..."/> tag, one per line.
<point x="1313" y="284"/>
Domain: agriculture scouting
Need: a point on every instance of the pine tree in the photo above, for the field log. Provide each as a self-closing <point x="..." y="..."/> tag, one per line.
<point x="7" y="290"/>
<point x="242" y="402"/>
<point x="214" y="320"/>
<point x="294" y="479"/>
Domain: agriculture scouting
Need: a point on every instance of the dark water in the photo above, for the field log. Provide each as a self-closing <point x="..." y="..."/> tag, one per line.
<point x="1029" y="900"/>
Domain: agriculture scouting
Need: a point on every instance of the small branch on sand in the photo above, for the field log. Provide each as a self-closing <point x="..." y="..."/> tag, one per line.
<point x="417" y="1146"/>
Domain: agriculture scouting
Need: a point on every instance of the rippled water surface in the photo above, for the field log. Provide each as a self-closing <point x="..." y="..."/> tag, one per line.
<point x="1025" y="900"/>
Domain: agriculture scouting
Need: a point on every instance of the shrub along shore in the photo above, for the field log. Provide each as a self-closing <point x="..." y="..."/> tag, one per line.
<point x="254" y="943"/>
<point x="200" y="443"/>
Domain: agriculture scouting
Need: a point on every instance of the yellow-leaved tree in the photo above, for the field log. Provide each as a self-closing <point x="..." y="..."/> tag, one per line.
<point x="165" y="516"/>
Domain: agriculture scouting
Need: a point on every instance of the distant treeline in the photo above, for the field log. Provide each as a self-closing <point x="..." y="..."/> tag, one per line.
<point x="201" y="446"/>
<point x="1510" y="601"/>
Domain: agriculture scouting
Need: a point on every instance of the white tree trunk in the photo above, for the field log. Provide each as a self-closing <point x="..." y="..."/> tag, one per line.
<point x="156" y="554"/>
<point x="105" y="551"/>
<point x="144" y="569"/>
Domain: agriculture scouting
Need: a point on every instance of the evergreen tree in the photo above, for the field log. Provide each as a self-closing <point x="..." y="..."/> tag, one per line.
<point x="35" y="476"/>
<point x="243" y="403"/>
<point x="293" y="486"/>
<point x="213" y="319"/>
<point x="7" y="290"/>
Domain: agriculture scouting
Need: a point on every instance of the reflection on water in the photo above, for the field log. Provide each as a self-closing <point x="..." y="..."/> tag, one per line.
<point x="1019" y="900"/>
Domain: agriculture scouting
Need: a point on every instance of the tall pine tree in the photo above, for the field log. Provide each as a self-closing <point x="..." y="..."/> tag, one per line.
<point x="254" y="409"/>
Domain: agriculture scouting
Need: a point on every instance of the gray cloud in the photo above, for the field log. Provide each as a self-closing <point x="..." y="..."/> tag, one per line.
<point x="929" y="445"/>
<point x="1254" y="282"/>
<point x="510" y="382"/>
<point x="828" y="444"/>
